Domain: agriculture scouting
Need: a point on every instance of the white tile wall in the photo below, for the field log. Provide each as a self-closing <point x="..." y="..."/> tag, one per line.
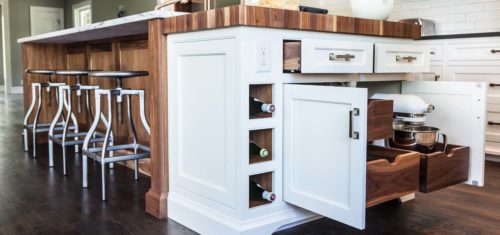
<point x="451" y="16"/>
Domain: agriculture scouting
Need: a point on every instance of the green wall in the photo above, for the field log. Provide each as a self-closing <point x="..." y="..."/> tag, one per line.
<point x="19" y="13"/>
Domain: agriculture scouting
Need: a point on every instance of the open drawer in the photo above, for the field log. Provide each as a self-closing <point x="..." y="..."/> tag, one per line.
<point x="390" y="174"/>
<point x="442" y="169"/>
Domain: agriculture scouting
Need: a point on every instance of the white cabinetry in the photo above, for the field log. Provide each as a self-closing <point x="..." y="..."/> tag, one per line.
<point x="317" y="134"/>
<point x="472" y="60"/>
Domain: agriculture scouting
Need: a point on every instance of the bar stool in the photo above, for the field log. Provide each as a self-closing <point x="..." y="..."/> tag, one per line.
<point x="103" y="154"/>
<point x="66" y="93"/>
<point x="36" y="98"/>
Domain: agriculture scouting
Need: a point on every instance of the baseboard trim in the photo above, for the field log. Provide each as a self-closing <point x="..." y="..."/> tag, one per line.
<point x="16" y="90"/>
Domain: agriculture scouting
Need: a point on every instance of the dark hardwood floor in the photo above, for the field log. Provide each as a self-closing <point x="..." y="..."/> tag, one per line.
<point x="35" y="199"/>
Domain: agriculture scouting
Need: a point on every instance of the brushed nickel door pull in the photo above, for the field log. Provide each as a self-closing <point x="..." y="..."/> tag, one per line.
<point x="494" y="84"/>
<point x="495" y="51"/>
<point x="493" y="123"/>
<point x="346" y="57"/>
<point x="353" y="134"/>
<point x="433" y="52"/>
<point x="407" y="58"/>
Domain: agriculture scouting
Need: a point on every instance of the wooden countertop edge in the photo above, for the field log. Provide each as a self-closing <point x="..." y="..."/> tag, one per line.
<point x="242" y="15"/>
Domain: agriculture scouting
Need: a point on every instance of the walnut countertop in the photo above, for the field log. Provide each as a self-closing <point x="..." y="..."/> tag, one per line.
<point x="241" y="15"/>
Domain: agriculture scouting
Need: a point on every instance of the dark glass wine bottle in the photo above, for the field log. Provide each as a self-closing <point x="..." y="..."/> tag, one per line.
<point x="258" y="193"/>
<point x="256" y="150"/>
<point x="257" y="106"/>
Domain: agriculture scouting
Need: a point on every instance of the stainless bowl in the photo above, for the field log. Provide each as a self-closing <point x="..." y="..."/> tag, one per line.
<point x="417" y="138"/>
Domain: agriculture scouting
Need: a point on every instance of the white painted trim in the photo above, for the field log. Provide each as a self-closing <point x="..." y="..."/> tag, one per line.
<point x="7" y="66"/>
<point x="78" y="7"/>
<point x="2" y="87"/>
<point x="16" y="90"/>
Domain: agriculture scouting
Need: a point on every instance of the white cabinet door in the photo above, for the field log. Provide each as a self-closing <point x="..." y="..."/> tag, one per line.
<point x="401" y="58"/>
<point x="325" y="151"/>
<point x="329" y="56"/>
<point x="460" y="113"/>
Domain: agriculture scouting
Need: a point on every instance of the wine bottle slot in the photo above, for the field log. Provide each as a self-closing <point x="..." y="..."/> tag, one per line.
<point x="256" y="150"/>
<point x="257" y="106"/>
<point x="257" y="192"/>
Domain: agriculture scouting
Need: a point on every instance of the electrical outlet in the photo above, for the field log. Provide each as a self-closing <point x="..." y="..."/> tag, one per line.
<point x="263" y="56"/>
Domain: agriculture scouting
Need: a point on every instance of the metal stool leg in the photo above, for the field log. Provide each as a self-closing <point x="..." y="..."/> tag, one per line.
<point x="109" y="128"/>
<point x="27" y="116"/>
<point x="88" y="137"/>
<point x="69" y="109"/>
<point x="35" y="121"/>
<point x="51" y="131"/>
<point x="134" y="136"/>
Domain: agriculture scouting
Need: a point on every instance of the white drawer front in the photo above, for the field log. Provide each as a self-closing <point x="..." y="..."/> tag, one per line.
<point x="492" y="148"/>
<point x="436" y="52"/>
<point x="328" y="56"/>
<point x="493" y="127"/>
<point x="488" y="74"/>
<point x="401" y="58"/>
<point x="474" y="51"/>
<point x="493" y="107"/>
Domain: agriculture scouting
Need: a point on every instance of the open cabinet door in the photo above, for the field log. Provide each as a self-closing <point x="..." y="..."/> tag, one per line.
<point x="460" y="114"/>
<point x="325" y="151"/>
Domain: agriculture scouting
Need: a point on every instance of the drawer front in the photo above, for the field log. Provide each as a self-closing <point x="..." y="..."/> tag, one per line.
<point x="492" y="148"/>
<point x="474" y="51"/>
<point x="487" y="74"/>
<point x="436" y="52"/>
<point x="439" y="170"/>
<point x="401" y="58"/>
<point x="390" y="174"/>
<point x="328" y="56"/>
<point x="493" y="127"/>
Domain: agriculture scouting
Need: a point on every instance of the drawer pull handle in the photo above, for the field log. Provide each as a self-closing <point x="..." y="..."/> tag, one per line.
<point x="346" y="57"/>
<point x="494" y="84"/>
<point x="353" y="134"/>
<point x="433" y="52"/>
<point x="493" y="123"/>
<point x="407" y="58"/>
<point x="494" y="51"/>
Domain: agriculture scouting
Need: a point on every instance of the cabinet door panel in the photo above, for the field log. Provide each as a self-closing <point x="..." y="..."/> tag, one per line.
<point x="460" y="113"/>
<point x="324" y="168"/>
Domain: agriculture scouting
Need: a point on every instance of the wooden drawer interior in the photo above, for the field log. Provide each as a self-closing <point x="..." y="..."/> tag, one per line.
<point x="390" y="174"/>
<point x="379" y="119"/>
<point x="442" y="169"/>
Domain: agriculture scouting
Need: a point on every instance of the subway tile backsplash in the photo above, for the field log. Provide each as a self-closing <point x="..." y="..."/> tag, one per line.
<point x="451" y="16"/>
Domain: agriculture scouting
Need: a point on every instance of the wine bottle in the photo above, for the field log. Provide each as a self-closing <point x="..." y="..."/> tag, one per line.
<point x="256" y="150"/>
<point x="258" y="193"/>
<point x="257" y="106"/>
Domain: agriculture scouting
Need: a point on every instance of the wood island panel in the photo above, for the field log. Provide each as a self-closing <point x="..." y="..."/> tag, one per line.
<point x="241" y="15"/>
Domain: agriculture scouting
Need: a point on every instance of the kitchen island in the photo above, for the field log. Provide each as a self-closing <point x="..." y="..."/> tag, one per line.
<point x="223" y="56"/>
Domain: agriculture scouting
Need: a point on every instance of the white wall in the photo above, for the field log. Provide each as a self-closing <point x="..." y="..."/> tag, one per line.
<point x="451" y="16"/>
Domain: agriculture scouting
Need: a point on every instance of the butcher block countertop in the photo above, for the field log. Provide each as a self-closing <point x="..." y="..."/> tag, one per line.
<point x="241" y="15"/>
<point x="238" y="15"/>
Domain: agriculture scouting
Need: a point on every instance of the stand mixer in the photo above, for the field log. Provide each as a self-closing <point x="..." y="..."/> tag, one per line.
<point x="409" y="129"/>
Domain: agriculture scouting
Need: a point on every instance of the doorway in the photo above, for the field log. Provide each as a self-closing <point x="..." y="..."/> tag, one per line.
<point x="46" y="19"/>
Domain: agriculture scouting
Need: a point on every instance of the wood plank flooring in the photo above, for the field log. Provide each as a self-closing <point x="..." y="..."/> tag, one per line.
<point x="35" y="199"/>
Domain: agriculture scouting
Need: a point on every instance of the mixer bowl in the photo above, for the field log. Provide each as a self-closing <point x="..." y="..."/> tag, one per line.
<point x="416" y="138"/>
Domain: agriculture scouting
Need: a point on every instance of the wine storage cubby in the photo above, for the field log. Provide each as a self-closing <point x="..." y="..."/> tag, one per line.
<point x="265" y="180"/>
<point x="263" y="140"/>
<point x="264" y="93"/>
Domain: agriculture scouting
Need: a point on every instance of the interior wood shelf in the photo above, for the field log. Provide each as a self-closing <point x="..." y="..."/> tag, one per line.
<point x="266" y="181"/>
<point x="263" y="92"/>
<point x="264" y="139"/>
